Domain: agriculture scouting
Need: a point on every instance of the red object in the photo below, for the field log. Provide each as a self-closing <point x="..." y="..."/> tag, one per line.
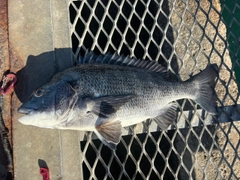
<point x="8" y="82"/>
<point x="45" y="173"/>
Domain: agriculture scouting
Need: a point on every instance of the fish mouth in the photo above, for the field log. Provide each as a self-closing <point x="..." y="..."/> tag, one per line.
<point x="24" y="110"/>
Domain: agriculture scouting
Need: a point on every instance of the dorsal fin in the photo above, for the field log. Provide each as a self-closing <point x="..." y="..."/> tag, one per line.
<point x="115" y="59"/>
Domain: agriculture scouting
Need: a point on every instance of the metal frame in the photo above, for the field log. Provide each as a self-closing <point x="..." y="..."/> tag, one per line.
<point x="184" y="36"/>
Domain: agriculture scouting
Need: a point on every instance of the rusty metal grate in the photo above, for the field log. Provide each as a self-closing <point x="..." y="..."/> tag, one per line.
<point x="184" y="36"/>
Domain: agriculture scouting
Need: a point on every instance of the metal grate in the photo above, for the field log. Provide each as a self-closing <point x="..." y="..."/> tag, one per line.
<point x="184" y="36"/>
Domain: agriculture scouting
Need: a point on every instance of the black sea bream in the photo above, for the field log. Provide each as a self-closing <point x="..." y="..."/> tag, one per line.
<point x="107" y="92"/>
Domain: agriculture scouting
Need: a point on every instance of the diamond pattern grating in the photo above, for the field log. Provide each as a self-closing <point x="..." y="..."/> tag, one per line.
<point x="184" y="36"/>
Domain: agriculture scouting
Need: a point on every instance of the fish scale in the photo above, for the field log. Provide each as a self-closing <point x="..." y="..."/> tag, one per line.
<point x="108" y="92"/>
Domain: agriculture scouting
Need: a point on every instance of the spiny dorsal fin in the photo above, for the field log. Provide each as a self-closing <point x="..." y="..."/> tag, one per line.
<point x="115" y="59"/>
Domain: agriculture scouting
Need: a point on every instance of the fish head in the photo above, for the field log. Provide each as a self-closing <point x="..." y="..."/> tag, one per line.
<point x="49" y="105"/>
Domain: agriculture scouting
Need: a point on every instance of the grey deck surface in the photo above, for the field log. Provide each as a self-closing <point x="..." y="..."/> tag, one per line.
<point x="36" y="29"/>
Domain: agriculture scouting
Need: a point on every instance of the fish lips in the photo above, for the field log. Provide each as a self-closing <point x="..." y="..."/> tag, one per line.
<point x="25" y="110"/>
<point x="35" y="118"/>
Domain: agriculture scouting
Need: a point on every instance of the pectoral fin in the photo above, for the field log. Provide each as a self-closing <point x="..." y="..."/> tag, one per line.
<point x="167" y="116"/>
<point x="109" y="132"/>
<point x="107" y="106"/>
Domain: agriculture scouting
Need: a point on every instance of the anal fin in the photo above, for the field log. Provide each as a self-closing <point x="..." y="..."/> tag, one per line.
<point x="109" y="132"/>
<point x="167" y="117"/>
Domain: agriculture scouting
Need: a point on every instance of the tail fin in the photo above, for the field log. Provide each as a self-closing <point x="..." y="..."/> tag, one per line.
<point x="205" y="94"/>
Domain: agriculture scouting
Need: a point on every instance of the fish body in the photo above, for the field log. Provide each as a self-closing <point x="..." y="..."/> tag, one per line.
<point x="105" y="93"/>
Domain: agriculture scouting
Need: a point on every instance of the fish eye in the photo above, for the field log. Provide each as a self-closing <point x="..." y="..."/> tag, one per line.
<point x="39" y="92"/>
